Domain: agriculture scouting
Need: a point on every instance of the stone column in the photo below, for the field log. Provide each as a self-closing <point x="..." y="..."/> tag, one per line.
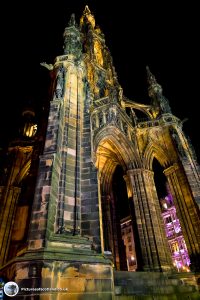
<point x="107" y="223"/>
<point x="7" y="220"/>
<point x="154" y="247"/>
<point x="187" y="212"/>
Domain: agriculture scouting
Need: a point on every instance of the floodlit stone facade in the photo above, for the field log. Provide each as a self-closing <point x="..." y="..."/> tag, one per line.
<point x="61" y="199"/>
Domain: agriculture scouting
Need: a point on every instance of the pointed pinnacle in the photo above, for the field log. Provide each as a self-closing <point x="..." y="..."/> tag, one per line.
<point x="86" y="10"/>
<point x="72" y="21"/>
<point x="150" y="77"/>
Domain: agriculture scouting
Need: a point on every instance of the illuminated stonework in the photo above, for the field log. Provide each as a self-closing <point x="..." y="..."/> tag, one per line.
<point x="92" y="157"/>
<point x="174" y="235"/>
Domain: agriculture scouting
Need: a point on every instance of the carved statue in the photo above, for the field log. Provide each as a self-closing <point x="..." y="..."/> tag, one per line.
<point x="112" y="115"/>
<point x="59" y="83"/>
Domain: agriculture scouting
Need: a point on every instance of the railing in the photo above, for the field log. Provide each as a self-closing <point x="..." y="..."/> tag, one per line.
<point x="166" y="118"/>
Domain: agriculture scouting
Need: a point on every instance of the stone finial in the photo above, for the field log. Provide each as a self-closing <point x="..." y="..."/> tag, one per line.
<point x="154" y="87"/>
<point x="159" y="102"/>
<point x="87" y="17"/>
<point x="72" y="42"/>
<point x="86" y="10"/>
<point x="150" y="77"/>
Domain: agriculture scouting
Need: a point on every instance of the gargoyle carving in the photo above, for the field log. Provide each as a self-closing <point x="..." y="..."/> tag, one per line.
<point x="47" y="66"/>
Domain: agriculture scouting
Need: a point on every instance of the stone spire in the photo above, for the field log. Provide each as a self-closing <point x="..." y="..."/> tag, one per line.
<point x="72" y="40"/>
<point x="159" y="102"/>
<point x="87" y="17"/>
<point x="154" y="87"/>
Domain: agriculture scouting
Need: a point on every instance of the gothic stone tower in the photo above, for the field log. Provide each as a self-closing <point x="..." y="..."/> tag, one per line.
<point x="74" y="238"/>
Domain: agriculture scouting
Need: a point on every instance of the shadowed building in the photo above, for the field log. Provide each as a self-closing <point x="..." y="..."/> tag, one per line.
<point x="94" y="164"/>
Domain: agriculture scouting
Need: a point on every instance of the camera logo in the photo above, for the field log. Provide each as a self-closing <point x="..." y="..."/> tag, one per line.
<point x="11" y="289"/>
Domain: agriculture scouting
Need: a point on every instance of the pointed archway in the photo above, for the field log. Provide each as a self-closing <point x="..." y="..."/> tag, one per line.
<point x="182" y="198"/>
<point x="114" y="157"/>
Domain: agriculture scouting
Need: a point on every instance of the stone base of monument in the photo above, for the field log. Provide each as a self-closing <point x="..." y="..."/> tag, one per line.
<point x="153" y="285"/>
<point x="72" y="273"/>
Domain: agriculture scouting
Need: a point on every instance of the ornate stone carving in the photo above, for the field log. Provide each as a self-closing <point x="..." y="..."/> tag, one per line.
<point x="112" y="115"/>
<point x="47" y="66"/>
<point x="72" y="43"/>
<point x="60" y="82"/>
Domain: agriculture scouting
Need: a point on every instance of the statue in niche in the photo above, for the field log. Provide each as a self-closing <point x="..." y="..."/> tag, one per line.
<point x="59" y="83"/>
<point x="111" y="116"/>
<point x="98" y="53"/>
<point x="113" y="94"/>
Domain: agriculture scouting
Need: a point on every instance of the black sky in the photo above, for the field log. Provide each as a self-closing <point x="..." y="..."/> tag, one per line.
<point x="163" y="35"/>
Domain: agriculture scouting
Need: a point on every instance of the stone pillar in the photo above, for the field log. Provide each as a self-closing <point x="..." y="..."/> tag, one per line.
<point x="107" y="223"/>
<point x="187" y="212"/>
<point x="189" y="162"/>
<point x="20" y="164"/>
<point x="192" y="171"/>
<point x="7" y="219"/>
<point x="153" y="243"/>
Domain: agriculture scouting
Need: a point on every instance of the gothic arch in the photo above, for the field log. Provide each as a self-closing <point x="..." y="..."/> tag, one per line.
<point x="113" y="141"/>
<point x="113" y="150"/>
<point x="154" y="150"/>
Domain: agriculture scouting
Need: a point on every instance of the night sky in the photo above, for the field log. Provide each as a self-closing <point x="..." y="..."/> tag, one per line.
<point x="163" y="35"/>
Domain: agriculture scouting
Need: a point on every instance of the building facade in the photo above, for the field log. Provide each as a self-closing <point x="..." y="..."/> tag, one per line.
<point x="61" y="198"/>
<point x="174" y="235"/>
<point x="129" y="243"/>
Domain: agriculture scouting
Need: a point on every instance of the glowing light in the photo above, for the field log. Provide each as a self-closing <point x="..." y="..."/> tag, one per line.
<point x="30" y="130"/>
<point x="179" y="253"/>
